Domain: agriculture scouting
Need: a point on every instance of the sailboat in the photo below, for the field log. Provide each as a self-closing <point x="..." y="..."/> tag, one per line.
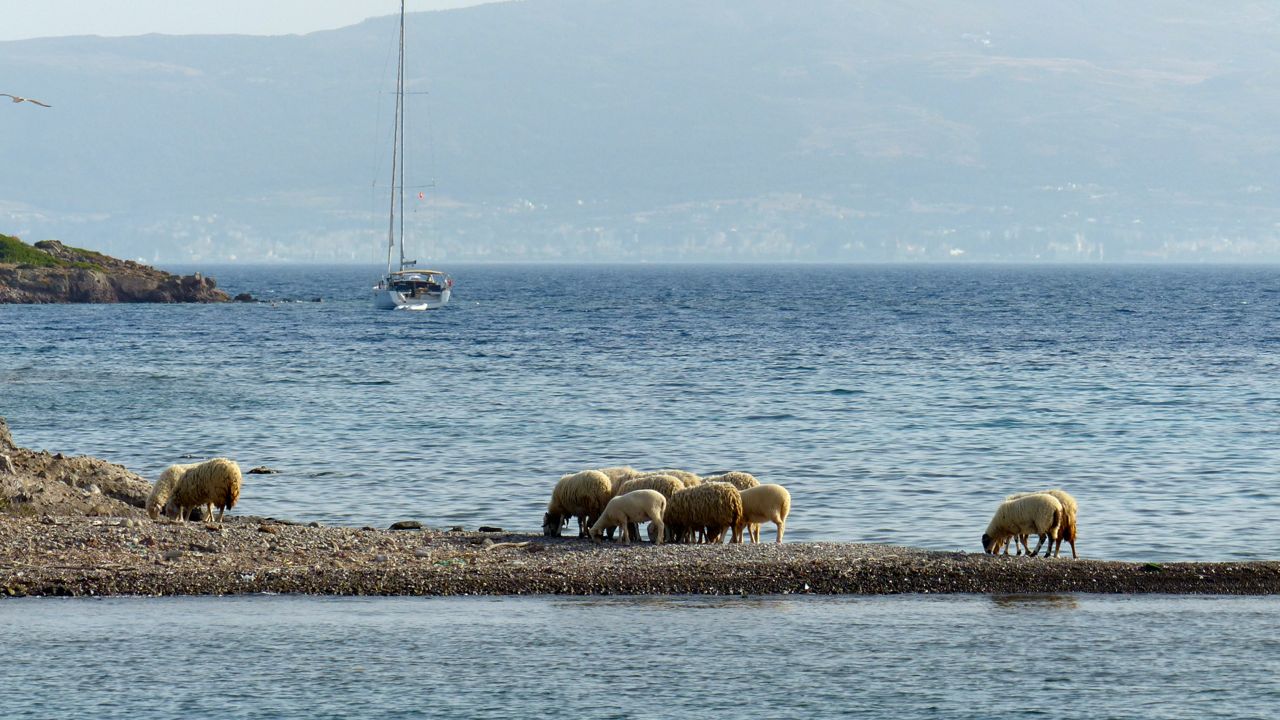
<point x="406" y="287"/>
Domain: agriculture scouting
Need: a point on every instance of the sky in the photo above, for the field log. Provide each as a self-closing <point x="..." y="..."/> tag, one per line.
<point x="22" y="19"/>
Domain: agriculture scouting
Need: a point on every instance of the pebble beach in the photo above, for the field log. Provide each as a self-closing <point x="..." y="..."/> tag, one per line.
<point x="102" y="556"/>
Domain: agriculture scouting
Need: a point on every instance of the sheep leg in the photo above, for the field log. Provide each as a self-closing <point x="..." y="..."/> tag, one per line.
<point x="1073" y="549"/>
<point x="657" y="533"/>
<point x="626" y="536"/>
<point x="1039" y="542"/>
<point x="781" y="526"/>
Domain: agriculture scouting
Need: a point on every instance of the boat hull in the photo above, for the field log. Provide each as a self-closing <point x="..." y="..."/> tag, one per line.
<point x="384" y="299"/>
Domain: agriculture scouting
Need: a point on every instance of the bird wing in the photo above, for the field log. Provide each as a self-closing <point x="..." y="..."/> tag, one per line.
<point x="38" y="103"/>
<point x="15" y="97"/>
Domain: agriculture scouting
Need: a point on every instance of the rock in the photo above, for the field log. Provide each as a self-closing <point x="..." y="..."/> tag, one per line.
<point x="422" y="553"/>
<point x="263" y="470"/>
<point x="6" y="464"/>
<point x="244" y="297"/>
<point x="273" y="529"/>
<point x="66" y="274"/>
<point x="314" y="524"/>
<point x="406" y="525"/>
<point x="457" y="528"/>
<point x="172" y="554"/>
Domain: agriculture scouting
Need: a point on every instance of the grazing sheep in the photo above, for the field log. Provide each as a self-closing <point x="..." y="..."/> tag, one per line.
<point x="740" y="480"/>
<point x="711" y="508"/>
<point x="763" y="503"/>
<point x="583" y="494"/>
<point x="164" y="487"/>
<point x="635" y="507"/>
<point x="212" y="483"/>
<point x="1066" y="528"/>
<point x="689" y="479"/>
<point x="665" y="484"/>
<point x="1038" y="514"/>
<point x="619" y="475"/>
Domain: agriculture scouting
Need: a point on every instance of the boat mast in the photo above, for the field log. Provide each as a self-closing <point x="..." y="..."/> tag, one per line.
<point x="397" y="157"/>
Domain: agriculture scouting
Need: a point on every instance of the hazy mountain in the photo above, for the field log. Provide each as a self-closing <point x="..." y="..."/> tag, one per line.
<point x="654" y="129"/>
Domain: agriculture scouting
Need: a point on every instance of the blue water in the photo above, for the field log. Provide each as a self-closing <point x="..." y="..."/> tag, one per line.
<point x="898" y="404"/>
<point x="899" y="657"/>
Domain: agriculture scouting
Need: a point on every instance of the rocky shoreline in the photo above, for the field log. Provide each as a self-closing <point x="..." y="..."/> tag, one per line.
<point x="85" y="556"/>
<point x="75" y="526"/>
<point x="50" y="272"/>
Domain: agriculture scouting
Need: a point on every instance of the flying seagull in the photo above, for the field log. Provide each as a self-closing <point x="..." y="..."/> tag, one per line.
<point x="19" y="98"/>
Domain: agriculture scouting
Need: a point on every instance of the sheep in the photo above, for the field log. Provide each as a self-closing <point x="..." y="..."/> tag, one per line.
<point x="763" y="503"/>
<point x="164" y="487"/>
<point x="1038" y="514"/>
<point x="1066" y="529"/>
<point x="689" y="479"/>
<point x="740" y="480"/>
<point x="619" y="475"/>
<point x="710" y="508"/>
<point x="636" y="506"/>
<point x="212" y="483"/>
<point x="583" y="494"/>
<point x="665" y="484"/>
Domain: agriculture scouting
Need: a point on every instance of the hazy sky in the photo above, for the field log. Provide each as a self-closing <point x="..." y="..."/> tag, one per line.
<point x="20" y="19"/>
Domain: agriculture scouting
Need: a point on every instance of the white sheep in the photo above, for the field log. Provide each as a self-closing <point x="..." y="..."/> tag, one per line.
<point x="666" y="484"/>
<point x="1066" y="528"/>
<point x="619" y="475"/>
<point x="636" y="506"/>
<point x="211" y="483"/>
<point x="1038" y="514"/>
<point x="738" y="479"/>
<point x="709" y="509"/>
<point x="684" y="476"/>
<point x="763" y="503"/>
<point x="164" y="487"/>
<point x="583" y="494"/>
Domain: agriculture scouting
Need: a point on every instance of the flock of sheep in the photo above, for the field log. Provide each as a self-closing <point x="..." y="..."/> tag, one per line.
<point x="679" y="505"/>
<point x="683" y="507"/>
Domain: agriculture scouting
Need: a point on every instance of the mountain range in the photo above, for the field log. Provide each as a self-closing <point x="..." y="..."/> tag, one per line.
<point x="656" y="130"/>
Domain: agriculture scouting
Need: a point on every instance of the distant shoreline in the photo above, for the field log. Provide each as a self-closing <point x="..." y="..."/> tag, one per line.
<point x="112" y="556"/>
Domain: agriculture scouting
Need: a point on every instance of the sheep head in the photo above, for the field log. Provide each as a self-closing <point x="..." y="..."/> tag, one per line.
<point x="551" y="524"/>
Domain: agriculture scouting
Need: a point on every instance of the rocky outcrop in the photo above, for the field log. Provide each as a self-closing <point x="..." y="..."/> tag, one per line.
<point x="50" y="272"/>
<point x="40" y="483"/>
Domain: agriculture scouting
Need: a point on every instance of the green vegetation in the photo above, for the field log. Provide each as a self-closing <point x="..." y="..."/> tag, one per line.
<point x="13" y="250"/>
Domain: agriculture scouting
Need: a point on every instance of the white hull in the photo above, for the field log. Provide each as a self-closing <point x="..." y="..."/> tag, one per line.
<point x="392" y="300"/>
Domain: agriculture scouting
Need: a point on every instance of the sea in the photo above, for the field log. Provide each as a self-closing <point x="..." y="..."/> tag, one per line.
<point x="897" y="403"/>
